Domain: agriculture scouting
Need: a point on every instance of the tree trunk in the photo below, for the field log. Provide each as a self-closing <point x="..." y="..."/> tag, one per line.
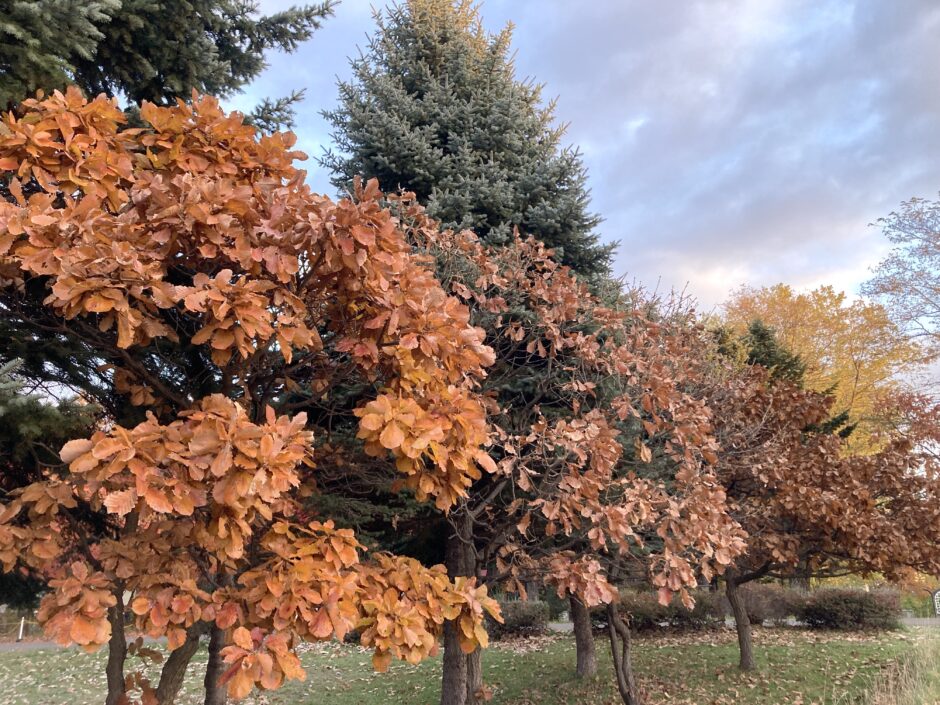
<point x="215" y="693"/>
<point x="474" y="677"/>
<point x="583" y="639"/>
<point x="620" y="652"/>
<point x="456" y="686"/>
<point x="741" y="622"/>
<point x="117" y="651"/>
<point x="801" y="583"/>
<point x="454" y="678"/>
<point x="800" y="580"/>
<point x="174" y="670"/>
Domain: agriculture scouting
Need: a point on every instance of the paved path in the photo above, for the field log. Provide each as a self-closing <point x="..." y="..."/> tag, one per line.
<point x="920" y="621"/>
<point x="35" y="645"/>
<point x="26" y="645"/>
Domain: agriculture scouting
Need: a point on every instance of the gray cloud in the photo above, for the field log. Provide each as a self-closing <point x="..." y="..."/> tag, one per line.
<point x="728" y="141"/>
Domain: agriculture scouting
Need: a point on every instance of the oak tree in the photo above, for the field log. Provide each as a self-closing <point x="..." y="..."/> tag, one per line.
<point x="808" y="506"/>
<point x="600" y="455"/>
<point x="216" y="294"/>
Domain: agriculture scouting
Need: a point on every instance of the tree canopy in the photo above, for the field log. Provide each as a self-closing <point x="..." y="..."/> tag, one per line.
<point x="224" y="299"/>
<point x="851" y="350"/>
<point x="908" y="280"/>
<point x="434" y="108"/>
<point x="808" y="507"/>
<point x="601" y="452"/>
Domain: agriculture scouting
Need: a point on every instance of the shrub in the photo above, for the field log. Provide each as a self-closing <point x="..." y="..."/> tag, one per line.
<point x="521" y="618"/>
<point x="706" y="614"/>
<point x="642" y="611"/>
<point x="557" y="606"/>
<point x="598" y="619"/>
<point x="851" y="609"/>
<point x="768" y="602"/>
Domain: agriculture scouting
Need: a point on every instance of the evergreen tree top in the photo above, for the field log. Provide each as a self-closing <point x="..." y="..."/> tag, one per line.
<point x="434" y="107"/>
<point x="763" y="348"/>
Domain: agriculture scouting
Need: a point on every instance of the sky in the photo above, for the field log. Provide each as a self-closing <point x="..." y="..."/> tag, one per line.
<point x="728" y="142"/>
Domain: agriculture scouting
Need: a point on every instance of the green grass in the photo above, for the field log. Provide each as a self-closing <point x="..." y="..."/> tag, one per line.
<point x="795" y="668"/>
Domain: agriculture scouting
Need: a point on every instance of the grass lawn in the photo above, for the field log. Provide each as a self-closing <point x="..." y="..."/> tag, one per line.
<point x="796" y="668"/>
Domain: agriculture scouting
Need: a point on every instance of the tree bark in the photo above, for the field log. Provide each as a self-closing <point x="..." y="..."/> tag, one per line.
<point x="620" y="653"/>
<point x="474" y="677"/>
<point x="454" y="678"/>
<point x="174" y="670"/>
<point x="215" y="693"/>
<point x="741" y="622"/>
<point x="456" y="686"/>
<point x="800" y="581"/>
<point x="583" y="639"/>
<point x="117" y="651"/>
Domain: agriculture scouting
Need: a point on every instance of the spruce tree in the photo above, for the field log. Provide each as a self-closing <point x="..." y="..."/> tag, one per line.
<point x="41" y="39"/>
<point x="156" y="50"/>
<point x="32" y="429"/>
<point x="764" y="348"/>
<point x="435" y="107"/>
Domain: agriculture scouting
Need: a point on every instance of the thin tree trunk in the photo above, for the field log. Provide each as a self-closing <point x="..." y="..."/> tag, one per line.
<point x="215" y="693"/>
<point x="800" y="581"/>
<point x="117" y="651"/>
<point x="620" y="653"/>
<point x="741" y="622"/>
<point x="474" y="677"/>
<point x="174" y="670"/>
<point x="583" y="639"/>
<point x="455" y="680"/>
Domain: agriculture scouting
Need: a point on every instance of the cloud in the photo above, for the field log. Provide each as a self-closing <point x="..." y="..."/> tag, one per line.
<point x="728" y="141"/>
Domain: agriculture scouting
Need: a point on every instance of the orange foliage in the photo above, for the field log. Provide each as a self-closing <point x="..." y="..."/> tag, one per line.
<point x="195" y="239"/>
<point x="804" y="502"/>
<point x="609" y="449"/>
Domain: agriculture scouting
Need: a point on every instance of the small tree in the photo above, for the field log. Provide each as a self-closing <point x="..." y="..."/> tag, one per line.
<point x="908" y="280"/>
<point x="806" y="504"/>
<point x="598" y="450"/>
<point x="851" y="350"/>
<point x="662" y="514"/>
<point x="219" y="295"/>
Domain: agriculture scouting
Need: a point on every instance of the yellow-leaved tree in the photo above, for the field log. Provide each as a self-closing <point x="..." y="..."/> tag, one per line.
<point x="851" y="348"/>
